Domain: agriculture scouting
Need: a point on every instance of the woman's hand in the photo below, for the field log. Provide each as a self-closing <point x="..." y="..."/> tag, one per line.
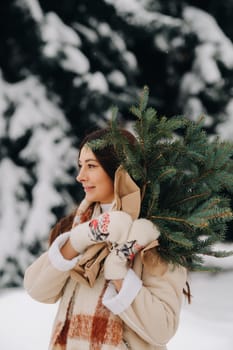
<point x="117" y="284"/>
<point x="110" y="227"/>
<point x="115" y="269"/>
<point x="67" y="251"/>
<point x="142" y="232"/>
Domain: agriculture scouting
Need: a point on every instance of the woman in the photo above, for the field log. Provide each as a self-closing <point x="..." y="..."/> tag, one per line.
<point x="111" y="296"/>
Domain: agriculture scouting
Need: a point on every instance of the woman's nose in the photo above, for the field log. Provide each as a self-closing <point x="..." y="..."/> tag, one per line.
<point x="81" y="175"/>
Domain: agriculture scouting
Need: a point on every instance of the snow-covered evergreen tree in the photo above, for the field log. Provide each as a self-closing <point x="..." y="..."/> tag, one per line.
<point x="36" y="158"/>
<point x="64" y="64"/>
<point x="206" y="88"/>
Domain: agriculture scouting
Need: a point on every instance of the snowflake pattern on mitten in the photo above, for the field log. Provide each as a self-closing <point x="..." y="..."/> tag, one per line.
<point x="99" y="228"/>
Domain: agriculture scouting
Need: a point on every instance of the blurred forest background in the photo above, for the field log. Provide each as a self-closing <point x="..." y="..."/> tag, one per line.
<point x="64" y="64"/>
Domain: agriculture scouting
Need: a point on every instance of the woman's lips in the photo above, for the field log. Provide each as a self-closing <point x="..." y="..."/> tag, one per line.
<point x="88" y="188"/>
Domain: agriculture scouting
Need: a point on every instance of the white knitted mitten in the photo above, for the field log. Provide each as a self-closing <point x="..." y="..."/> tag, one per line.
<point x="142" y="232"/>
<point x="112" y="227"/>
<point x="115" y="266"/>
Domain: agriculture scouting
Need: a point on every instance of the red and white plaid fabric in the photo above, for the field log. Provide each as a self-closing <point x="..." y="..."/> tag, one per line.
<point x="88" y="325"/>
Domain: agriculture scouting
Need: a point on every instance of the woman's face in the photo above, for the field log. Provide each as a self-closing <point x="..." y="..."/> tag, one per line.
<point x="96" y="183"/>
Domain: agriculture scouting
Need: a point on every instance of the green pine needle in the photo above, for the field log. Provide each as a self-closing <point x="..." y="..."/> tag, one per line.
<point x="185" y="180"/>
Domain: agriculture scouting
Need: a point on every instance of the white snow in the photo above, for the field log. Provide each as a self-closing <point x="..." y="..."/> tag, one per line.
<point x="61" y="40"/>
<point x="14" y="211"/>
<point x="24" y="323"/>
<point x="74" y="60"/>
<point x="53" y="29"/>
<point x="226" y="128"/>
<point x="97" y="82"/>
<point x="214" y="47"/>
<point x="206" y="324"/>
<point x="34" y="8"/>
<point x="50" y="152"/>
<point x="192" y="83"/>
<point x="33" y="108"/>
<point x="130" y="59"/>
<point x="211" y="39"/>
<point x="117" y="78"/>
<point x="207" y="30"/>
<point x="89" y="33"/>
<point x="204" y="24"/>
<point x="138" y="15"/>
<point x="205" y="65"/>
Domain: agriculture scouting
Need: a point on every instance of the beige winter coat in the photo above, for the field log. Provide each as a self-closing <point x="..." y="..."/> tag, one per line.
<point x="152" y="319"/>
<point x="148" y="323"/>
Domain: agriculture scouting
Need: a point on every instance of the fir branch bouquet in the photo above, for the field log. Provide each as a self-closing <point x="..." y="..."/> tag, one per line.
<point x="185" y="179"/>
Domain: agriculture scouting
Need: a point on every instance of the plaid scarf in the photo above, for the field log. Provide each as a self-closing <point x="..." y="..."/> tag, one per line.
<point x="88" y="324"/>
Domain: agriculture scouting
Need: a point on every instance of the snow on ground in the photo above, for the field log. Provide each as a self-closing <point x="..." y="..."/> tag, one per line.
<point x="206" y="324"/>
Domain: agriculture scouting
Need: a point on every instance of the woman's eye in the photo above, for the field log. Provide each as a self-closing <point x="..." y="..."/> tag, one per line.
<point x="86" y="166"/>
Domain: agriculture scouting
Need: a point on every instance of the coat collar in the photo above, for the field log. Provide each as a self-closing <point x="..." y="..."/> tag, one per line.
<point x="127" y="195"/>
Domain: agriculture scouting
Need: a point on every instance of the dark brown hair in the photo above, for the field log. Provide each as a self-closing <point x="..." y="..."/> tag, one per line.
<point x="107" y="156"/>
<point x="108" y="159"/>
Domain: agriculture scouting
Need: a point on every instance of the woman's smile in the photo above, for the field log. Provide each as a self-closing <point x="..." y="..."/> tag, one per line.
<point x="88" y="188"/>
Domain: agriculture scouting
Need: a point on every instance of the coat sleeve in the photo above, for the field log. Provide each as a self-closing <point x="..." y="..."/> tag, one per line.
<point x="154" y="312"/>
<point x="45" y="278"/>
<point x="43" y="281"/>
